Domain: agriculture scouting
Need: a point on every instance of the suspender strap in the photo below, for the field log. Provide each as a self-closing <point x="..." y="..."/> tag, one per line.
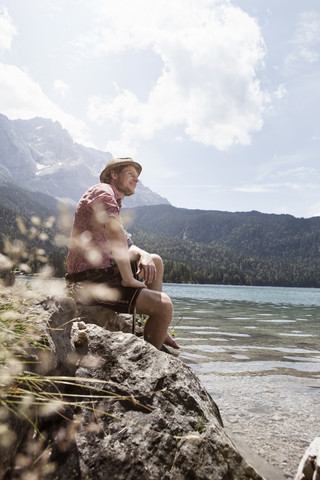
<point x="134" y="321"/>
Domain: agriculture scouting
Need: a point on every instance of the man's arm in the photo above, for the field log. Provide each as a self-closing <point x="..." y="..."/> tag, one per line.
<point x="120" y="252"/>
<point x="145" y="263"/>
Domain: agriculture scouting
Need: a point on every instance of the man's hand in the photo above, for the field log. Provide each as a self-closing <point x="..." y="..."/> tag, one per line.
<point x="147" y="268"/>
<point x="132" y="282"/>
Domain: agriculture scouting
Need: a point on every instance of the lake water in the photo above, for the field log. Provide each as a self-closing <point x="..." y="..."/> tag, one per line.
<point x="257" y="351"/>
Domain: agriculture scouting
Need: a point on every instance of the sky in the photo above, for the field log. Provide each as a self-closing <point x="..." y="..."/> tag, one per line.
<point x="219" y="100"/>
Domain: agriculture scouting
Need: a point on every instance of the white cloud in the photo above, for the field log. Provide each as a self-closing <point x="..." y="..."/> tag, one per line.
<point x="298" y="172"/>
<point x="281" y="92"/>
<point x="7" y="30"/>
<point x="21" y="97"/>
<point x="211" y="52"/>
<point x="292" y="164"/>
<point x="253" y="189"/>
<point x="266" y="188"/>
<point x="61" y="87"/>
<point x="307" y="38"/>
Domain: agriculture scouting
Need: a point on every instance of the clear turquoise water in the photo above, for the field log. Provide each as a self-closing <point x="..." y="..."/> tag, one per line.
<point x="274" y="295"/>
<point x="257" y="351"/>
<point x="248" y="330"/>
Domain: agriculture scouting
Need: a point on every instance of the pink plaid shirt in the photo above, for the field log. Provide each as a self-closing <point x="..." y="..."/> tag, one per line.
<point x="89" y="244"/>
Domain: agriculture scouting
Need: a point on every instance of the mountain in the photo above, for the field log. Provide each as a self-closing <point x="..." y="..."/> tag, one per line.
<point x="40" y="155"/>
<point x="216" y="247"/>
<point x="34" y="229"/>
<point x="250" y="233"/>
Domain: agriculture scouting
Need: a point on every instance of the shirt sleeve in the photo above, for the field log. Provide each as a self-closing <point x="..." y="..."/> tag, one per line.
<point x="105" y="201"/>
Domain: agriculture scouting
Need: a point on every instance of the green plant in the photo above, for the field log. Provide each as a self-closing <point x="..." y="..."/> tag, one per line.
<point x="141" y="319"/>
<point x="201" y="424"/>
<point x="172" y="329"/>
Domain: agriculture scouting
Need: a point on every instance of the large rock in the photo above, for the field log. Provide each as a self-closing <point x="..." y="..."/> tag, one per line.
<point x="145" y="415"/>
<point x="131" y="411"/>
<point x="309" y="468"/>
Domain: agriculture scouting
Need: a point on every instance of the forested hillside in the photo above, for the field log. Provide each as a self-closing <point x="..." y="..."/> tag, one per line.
<point x="32" y="227"/>
<point x="197" y="246"/>
<point x="251" y="233"/>
<point x="230" y="248"/>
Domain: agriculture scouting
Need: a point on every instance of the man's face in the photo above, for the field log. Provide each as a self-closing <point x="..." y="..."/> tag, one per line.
<point x="125" y="181"/>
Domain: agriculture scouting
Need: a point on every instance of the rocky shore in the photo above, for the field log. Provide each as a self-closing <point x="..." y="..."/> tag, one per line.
<point x="262" y="413"/>
<point x="115" y="407"/>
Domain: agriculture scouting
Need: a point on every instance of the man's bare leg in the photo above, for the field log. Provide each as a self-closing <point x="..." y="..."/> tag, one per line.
<point x="158" y="307"/>
<point x="157" y="286"/>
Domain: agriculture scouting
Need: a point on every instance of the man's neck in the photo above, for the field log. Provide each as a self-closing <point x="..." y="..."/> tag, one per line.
<point x="116" y="191"/>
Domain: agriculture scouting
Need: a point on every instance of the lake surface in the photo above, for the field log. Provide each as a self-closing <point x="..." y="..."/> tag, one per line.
<point x="257" y="351"/>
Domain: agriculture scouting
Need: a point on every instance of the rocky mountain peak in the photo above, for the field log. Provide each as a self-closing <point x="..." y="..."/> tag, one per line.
<point x="40" y="155"/>
<point x="47" y="139"/>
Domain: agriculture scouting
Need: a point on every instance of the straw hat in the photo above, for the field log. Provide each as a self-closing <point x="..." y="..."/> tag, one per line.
<point x="117" y="162"/>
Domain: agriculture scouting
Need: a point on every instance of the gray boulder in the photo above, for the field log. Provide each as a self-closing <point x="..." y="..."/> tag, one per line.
<point x="145" y="414"/>
<point x="309" y="468"/>
<point x="127" y="410"/>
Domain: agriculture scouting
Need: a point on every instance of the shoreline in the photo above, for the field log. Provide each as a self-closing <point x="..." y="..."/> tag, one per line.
<point x="260" y="464"/>
<point x="256" y="350"/>
<point x="268" y="417"/>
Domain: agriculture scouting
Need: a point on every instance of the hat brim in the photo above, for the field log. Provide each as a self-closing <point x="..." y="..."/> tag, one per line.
<point x="110" y="167"/>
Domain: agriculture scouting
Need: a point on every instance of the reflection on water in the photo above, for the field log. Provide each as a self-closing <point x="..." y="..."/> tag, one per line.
<point x="263" y="323"/>
<point x="271" y="295"/>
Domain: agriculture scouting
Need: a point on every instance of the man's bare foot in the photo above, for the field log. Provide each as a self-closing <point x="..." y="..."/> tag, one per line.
<point x="171" y="342"/>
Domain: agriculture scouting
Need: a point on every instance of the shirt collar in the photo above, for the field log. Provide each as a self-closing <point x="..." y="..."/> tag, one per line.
<point x="117" y="196"/>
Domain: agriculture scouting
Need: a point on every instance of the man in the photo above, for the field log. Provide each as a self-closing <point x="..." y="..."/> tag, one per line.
<point x="101" y="256"/>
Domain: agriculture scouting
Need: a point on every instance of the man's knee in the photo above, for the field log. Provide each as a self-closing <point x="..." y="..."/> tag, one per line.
<point x="157" y="261"/>
<point x="163" y="304"/>
<point x="151" y="302"/>
<point x="167" y="303"/>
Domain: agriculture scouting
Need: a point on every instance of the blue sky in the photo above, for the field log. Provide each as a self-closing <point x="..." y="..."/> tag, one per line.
<point x="219" y="100"/>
